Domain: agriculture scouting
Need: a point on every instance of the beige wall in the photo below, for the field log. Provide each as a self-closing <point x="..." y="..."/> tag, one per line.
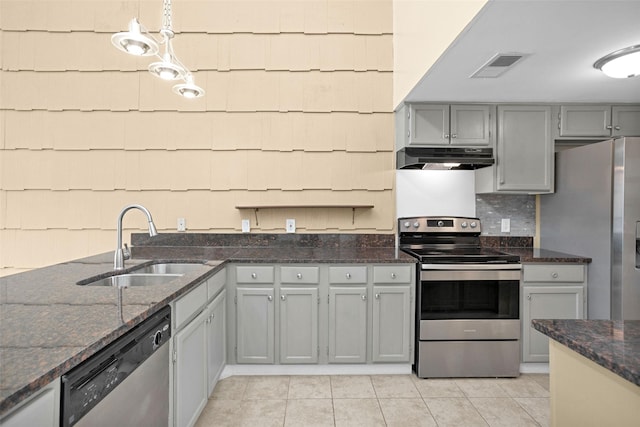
<point x="298" y="111"/>
<point x="422" y="31"/>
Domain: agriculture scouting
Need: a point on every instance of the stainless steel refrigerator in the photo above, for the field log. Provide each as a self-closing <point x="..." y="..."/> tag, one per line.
<point x="595" y="212"/>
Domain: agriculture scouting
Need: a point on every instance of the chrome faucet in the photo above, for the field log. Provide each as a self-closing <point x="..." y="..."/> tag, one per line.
<point x="122" y="254"/>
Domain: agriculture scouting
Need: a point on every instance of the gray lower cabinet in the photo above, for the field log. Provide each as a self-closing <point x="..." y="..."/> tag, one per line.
<point x="42" y="409"/>
<point x="216" y="325"/>
<point x="255" y="316"/>
<point x="190" y="370"/>
<point x="347" y="324"/>
<point x="391" y="323"/>
<point x="550" y="291"/>
<point x="524" y="152"/>
<point x="298" y="325"/>
<point x="198" y="348"/>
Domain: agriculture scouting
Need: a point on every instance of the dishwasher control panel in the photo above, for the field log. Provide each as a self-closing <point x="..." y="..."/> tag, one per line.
<point x="85" y="385"/>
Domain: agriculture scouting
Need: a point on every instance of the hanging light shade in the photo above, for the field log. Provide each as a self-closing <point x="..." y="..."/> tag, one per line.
<point x="620" y="64"/>
<point x="189" y="89"/>
<point x="169" y="67"/>
<point x="134" y="42"/>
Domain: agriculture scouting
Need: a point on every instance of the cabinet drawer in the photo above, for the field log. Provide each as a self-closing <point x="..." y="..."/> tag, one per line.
<point x="348" y="274"/>
<point x="254" y="274"/>
<point x="299" y="275"/>
<point x="392" y="274"/>
<point x="553" y="273"/>
<point x="190" y="305"/>
<point x="216" y="283"/>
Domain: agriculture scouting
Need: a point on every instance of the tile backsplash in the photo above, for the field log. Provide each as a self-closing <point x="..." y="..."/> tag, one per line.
<point x="520" y="209"/>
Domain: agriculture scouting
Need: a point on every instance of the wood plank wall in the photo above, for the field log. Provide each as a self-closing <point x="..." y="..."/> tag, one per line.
<point x="298" y="110"/>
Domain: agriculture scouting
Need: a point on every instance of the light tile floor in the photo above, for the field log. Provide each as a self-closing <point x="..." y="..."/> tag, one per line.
<point x="377" y="400"/>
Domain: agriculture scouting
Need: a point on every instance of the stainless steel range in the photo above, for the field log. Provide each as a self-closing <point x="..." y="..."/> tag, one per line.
<point x="467" y="313"/>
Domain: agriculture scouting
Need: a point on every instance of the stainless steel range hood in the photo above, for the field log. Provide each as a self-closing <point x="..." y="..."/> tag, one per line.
<point x="444" y="157"/>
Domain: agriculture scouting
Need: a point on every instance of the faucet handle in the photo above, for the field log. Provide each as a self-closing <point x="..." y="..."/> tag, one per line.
<point x="126" y="253"/>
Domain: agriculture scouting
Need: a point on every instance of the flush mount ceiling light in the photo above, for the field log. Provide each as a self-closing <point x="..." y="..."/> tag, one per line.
<point x="138" y="41"/>
<point x="620" y="64"/>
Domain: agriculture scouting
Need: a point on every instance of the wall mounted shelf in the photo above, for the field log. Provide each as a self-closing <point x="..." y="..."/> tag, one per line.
<point x="257" y="207"/>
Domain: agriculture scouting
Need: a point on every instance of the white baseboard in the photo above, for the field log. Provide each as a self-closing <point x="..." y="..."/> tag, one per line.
<point x="534" y="368"/>
<point x="364" y="369"/>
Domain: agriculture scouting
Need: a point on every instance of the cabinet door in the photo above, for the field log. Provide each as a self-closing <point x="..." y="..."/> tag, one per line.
<point x="585" y="120"/>
<point x="547" y="302"/>
<point x="391" y="323"/>
<point x="190" y="382"/>
<point x="470" y="124"/>
<point x="347" y="324"/>
<point x="298" y="325"/>
<point x="626" y="120"/>
<point x="216" y="340"/>
<point x="41" y="409"/>
<point x="255" y="324"/>
<point x="524" y="149"/>
<point x="428" y="124"/>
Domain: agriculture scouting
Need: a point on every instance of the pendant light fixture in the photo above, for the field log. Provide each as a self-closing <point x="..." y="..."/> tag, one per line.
<point x="620" y="64"/>
<point x="138" y="41"/>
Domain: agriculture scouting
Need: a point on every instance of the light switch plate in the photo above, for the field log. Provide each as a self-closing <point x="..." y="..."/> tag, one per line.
<point x="291" y="225"/>
<point x="246" y="226"/>
<point x="505" y="225"/>
<point x="182" y="224"/>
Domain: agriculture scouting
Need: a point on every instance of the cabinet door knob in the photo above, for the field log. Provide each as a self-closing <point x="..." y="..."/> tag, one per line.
<point x="393" y="275"/>
<point x="364" y="297"/>
<point x="455" y="135"/>
<point x="299" y="275"/>
<point x="609" y="127"/>
<point x="529" y="297"/>
<point x="616" y="127"/>
<point x="377" y="296"/>
<point x="554" y="275"/>
<point x="254" y="276"/>
<point x="283" y="297"/>
<point x="348" y="275"/>
<point x="270" y="298"/>
<point x="446" y="136"/>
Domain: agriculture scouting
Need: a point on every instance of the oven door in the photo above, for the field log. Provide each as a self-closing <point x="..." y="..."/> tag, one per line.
<point x="475" y="302"/>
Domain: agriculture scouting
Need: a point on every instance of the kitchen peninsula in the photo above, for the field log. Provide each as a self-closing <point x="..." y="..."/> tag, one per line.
<point x="594" y="371"/>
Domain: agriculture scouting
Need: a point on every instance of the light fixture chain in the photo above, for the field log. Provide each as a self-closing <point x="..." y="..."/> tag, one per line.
<point x="166" y="15"/>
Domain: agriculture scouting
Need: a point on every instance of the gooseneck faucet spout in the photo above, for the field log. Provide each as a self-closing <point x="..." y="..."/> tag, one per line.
<point x="122" y="254"/>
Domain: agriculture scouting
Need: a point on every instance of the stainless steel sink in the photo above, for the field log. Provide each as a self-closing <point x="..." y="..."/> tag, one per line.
<point x="168" y="268"/>
<point x="133" y="280"/>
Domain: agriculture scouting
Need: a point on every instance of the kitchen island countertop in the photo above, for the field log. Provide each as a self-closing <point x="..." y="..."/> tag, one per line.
<point x="612" y="344"/>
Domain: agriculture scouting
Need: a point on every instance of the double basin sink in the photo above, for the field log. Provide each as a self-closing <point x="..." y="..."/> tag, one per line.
<point x="146" y="275"/>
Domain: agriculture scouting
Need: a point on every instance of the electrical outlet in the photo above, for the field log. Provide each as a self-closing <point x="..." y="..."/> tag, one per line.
<point x="246" y="226"/>
<point x="182" y="224"/>
<point x="291" y="225"/>
<point x="505" y="225"/>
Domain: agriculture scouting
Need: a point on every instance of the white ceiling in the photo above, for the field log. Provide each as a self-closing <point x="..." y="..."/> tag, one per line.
<point x="563" y="38"/>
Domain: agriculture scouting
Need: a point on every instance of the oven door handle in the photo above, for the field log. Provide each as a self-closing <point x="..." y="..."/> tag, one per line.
<point x="453" y="267"/>
<point x="469" y="275"/>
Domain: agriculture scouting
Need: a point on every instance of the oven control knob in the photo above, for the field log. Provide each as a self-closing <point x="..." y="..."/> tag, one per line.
<point x="407" y="224"/>
<point x="440" y="223"/>
<point x="464" y="224"/>
<point x="474" y="224"/>
<point x="416" y="224"/>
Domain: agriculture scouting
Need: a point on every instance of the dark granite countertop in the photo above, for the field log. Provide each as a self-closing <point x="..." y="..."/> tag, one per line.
<point x="48" y="324"/>
<point x="533" y="255"/>
<point x="612" y="344"/>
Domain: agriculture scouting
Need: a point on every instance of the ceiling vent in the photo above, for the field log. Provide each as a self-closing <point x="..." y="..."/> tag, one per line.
<point x="499" y="64"/>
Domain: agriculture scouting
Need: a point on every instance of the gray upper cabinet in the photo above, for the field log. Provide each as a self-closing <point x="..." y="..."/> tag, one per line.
<point x="443" y="124"/>
<point x="524" y="152"/>
<point x="598" y="121"/>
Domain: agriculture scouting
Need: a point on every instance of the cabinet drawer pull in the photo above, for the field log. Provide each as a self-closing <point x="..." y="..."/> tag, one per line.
<point x="269" y="297"/>
<point x="554" y="275"/>
<point x="254" y="276"/>
<point x="393" y="275"/>
<point x="299" y="275"/>
<point x="348" y="275"/>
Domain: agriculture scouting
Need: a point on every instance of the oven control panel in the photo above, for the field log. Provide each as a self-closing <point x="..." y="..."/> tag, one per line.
<point x="431" y="224"/>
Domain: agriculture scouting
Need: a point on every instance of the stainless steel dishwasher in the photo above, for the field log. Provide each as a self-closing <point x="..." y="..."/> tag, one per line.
<point x="126" y="383"/>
